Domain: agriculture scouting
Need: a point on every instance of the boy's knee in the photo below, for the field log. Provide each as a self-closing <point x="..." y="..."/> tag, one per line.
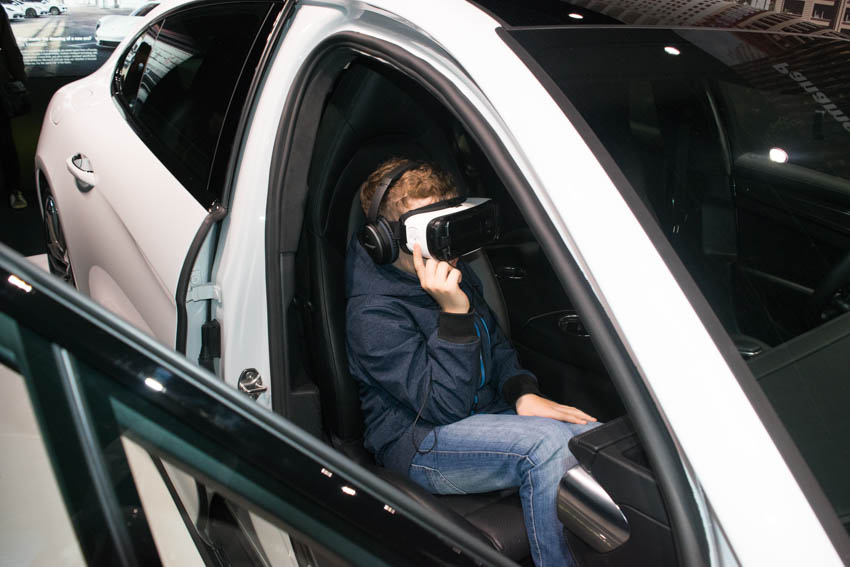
<point x="550" y="446"/>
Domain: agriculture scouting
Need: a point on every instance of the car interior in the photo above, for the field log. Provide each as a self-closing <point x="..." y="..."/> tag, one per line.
<point x="373" y="113"/>
<point x="761" y="239"/>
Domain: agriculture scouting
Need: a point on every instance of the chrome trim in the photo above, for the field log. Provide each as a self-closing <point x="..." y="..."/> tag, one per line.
<point x="589" y="512"/>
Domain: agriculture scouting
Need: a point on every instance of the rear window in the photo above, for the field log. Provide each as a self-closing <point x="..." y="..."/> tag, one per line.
<point x="183" y="83"/>
<point x="739" y="145"/>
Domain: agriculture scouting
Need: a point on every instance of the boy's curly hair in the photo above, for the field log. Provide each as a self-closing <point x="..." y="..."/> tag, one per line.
<point x="427" y="180"/>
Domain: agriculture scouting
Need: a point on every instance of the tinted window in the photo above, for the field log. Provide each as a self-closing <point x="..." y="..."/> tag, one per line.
<point x="739" y="146"/>
<point x="178" y="83"/>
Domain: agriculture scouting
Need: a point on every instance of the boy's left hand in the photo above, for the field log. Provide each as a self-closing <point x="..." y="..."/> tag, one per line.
<point x="532" y="404"/>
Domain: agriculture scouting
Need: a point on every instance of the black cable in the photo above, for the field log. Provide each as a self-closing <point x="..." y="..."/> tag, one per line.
<point x="418" y="414"/>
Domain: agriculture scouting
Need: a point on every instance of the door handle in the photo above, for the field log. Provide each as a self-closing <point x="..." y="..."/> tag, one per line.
<point x="570" y="324"/>
<point x="511" y="273"/>
<point x="80" y="167"/>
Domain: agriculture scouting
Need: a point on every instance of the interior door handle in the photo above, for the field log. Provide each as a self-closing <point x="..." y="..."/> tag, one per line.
<point x="80" y="167"/>
<point x="570" y="324"/>
<point x="510" y="273"/>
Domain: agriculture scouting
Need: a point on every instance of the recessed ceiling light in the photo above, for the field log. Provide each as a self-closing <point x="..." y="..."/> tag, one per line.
<point x="670" y="50"/>
<point x="576" y="16"/>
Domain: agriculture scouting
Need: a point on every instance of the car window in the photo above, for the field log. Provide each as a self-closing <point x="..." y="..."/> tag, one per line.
<point x="178" y="81"/>
<point x="738" y="144"/>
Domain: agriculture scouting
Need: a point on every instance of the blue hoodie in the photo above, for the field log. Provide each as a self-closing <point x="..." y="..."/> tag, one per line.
<point x="411" y="359"/>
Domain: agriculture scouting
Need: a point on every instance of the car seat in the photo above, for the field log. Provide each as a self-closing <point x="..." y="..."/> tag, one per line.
<point x="368" y="119"/>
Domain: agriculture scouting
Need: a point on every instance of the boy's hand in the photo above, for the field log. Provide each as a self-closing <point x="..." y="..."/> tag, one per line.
<point x="532" y="404"/>
<point x="442" y="282"/>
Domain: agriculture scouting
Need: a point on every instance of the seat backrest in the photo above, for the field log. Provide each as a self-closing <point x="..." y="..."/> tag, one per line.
<point x="369" y="119"/>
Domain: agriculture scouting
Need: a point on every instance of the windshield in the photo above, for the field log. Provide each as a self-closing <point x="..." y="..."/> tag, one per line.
<point x="738" y="143"/>
<point x="144" y="9"/>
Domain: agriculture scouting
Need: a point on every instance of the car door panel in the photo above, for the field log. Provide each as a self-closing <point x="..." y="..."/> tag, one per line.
<point x="547" y="331"/>
<point x="804" y="209"/>
<point x="150" y="220"/>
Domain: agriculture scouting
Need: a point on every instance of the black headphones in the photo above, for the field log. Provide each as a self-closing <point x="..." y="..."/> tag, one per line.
<point x="380" y="237"/>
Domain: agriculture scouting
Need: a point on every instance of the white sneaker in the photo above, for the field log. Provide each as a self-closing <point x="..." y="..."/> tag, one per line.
<point x="17" y="200"/>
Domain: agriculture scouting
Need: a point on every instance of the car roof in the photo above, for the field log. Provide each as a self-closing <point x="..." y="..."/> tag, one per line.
<point x="714" y="14"/>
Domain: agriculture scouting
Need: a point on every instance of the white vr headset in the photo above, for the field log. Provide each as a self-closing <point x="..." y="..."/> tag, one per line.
<point x="444" y="230"/>
<point x="450" y="229"/>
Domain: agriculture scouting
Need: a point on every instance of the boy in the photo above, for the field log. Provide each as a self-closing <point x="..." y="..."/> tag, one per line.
<point x="443" y="395"/>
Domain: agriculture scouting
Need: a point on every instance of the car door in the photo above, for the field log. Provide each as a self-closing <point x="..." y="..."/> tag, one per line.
<point x="116" y="411"/>
<point x="134" y="190"/>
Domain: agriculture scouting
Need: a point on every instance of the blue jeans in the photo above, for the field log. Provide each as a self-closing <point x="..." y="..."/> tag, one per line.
<point x="487" y="452"/>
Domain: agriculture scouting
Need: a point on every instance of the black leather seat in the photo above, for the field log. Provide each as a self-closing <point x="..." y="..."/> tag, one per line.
<point x="368" y="120"/>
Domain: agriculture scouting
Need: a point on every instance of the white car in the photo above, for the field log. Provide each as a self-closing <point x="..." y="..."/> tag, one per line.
<point x="30" y="9"/>
<point x="55" y="8"/>
<point x="675" y="250"/>
<point x="110" y="30"/>
<point x="14" y="12"/>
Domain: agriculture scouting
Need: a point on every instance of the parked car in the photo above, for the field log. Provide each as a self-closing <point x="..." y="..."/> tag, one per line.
<point x="31" y="9"/>
<point x="675" y="249"/>
<point x="27" y="9"/>
<point x="14" y="12"/>
<point x="55" y="8"/>
<point x="110" y="30"/>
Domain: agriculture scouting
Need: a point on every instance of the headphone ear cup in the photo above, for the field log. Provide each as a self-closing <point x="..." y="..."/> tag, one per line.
<point x="391" y="244"/>
<point x="377" y="239"/>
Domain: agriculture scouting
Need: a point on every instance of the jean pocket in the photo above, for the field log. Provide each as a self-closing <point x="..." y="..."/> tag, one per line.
<point x="436" y="482"/>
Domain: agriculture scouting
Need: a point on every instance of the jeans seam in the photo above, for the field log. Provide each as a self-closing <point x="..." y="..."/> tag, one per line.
<point x="520" y="455"/>
<point x="442" y="476"/>
<point x="533" y="523"/>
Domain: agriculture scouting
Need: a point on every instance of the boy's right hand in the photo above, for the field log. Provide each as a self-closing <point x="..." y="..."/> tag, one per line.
<point x="442" y="282"/>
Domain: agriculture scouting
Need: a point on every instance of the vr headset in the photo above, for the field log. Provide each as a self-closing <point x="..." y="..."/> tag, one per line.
<point x="444" y="230"/>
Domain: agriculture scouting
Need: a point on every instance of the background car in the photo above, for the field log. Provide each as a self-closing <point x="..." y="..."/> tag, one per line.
<point x="662" y="265"/>
<point x="31" y="9"/>
<point x="55" y="8"/>
<point x="110" y="30"/>
<point x="14" y="12"/>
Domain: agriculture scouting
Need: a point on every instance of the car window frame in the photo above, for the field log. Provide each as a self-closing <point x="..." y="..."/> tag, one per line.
<point x="688" y="528"/>
<point x="216" y="187"/>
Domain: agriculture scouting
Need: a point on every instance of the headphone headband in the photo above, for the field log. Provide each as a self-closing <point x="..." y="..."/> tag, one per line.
<point x="386" y="183"/>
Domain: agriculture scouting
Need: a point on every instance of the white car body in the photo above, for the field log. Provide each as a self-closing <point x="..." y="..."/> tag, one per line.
<point x="14" y="12"/>
<point x="129" y="254"/>
<point x="32" y="9"/>
<point x="55" y="8"/>
<point x="110" y="30"/>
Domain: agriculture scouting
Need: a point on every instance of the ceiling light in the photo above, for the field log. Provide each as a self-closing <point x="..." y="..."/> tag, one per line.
<point x="576" y="16"/>
<point x="778" y="155"/>
<point x="670" y="50"/>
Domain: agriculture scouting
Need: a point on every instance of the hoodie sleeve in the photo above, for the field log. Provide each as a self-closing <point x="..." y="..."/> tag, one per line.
<point x="512" y="380"/>
<point x="435" y="374"/>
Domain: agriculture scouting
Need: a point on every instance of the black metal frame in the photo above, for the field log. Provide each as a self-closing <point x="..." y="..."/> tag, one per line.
<point x="91" y="371"/>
